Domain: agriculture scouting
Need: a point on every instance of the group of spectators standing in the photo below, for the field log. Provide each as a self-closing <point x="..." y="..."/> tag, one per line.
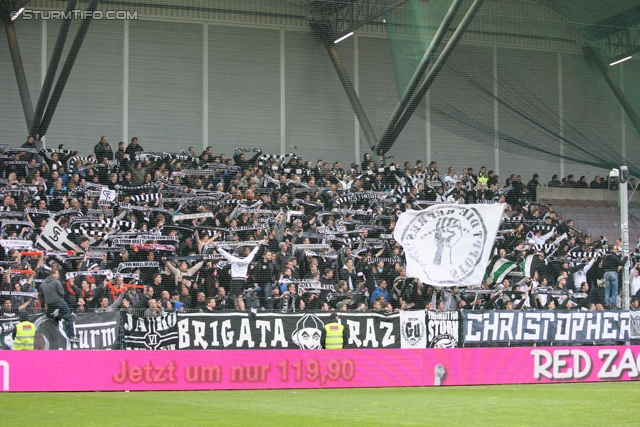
<point x="318" y="236"/>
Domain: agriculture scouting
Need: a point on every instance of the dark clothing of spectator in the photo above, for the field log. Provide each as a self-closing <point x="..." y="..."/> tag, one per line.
<point x="103" y="150"/>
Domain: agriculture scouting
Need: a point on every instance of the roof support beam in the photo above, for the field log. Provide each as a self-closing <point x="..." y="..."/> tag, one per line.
<point x="18" y="69"/>
<point x="66" y="69"/>
<point x="324" y="35"/>
<point x="51" y="70"/>
<point x="385" y="144"/>
<point x="419" y="73"/>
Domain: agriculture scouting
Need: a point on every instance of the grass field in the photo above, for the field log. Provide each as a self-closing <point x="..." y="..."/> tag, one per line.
<point x="595" y="404"/>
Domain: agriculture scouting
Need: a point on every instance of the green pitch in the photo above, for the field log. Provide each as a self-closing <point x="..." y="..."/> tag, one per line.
<point x="596" y="404"/>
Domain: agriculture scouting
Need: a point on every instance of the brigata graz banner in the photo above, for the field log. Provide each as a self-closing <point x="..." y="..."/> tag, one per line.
<point x="205" y="331"/>
<point x="546" y="326"/>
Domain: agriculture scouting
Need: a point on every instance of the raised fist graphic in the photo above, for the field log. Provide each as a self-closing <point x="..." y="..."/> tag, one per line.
<point x="448" y="233"/>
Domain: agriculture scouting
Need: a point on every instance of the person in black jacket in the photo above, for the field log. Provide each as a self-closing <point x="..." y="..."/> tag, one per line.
<point x="133" y="148"/>
<point x="265" y="274"/>
<point x="241" y="161"/>
<point x="611" y="263"/>
<point x="102" y="150"/>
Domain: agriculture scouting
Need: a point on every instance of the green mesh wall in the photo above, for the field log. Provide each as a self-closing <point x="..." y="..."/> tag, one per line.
<point x="589" y="128"/>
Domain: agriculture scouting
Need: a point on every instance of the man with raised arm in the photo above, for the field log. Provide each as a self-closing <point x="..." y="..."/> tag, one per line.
<point x="239" y="268"/>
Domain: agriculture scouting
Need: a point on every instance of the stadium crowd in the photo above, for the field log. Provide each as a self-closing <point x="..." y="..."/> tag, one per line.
<point x="129" y="229"/>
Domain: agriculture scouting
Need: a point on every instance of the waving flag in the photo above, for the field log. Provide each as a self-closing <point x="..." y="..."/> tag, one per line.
<point x="449" y="245"/>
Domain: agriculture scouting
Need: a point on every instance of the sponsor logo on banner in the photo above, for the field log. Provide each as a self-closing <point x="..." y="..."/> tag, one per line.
<point x="443" y="329"/>
<point x="577" y="364"/>
<point x="548" y="327"/>
<point x="413" y="329"/>
<point x="449" y="245"/>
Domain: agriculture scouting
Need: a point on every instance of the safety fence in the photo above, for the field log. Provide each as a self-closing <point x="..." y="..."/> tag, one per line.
<point x="366" y="330"/>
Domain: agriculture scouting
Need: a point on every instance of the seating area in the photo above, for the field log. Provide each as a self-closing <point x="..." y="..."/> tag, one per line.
<point x="596" y="218"/>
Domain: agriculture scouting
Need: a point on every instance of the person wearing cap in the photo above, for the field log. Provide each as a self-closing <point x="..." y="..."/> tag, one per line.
<point x="334" y="335"/>
<point x="341" y="306"/>
<point x="175" y="301"/>
<point x="24" y="333"/>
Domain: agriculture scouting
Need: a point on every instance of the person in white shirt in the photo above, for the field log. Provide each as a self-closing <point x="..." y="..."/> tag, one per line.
<point x="580" y="276"/>
<point x="451" y="178"/>
<point x="539" y="238"/>
<point x="239" y="268"/>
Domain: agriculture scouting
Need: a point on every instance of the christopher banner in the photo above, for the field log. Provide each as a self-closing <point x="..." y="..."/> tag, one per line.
<point x="548" y="326"/>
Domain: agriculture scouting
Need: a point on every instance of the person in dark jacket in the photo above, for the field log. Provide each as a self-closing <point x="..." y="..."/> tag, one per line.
<point x="133" y="148"/>
<point x="265" y="274"/>
<point x="53" y="294"/>
<point x="611" y="263"/>
<point x="102" y="150"/>
<point x="30" y="144"/>
<point x="241" y="161"/>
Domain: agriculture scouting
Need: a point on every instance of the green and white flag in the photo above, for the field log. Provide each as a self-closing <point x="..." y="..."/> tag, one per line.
<point x="526" y="265"/>
<point x="501" y="269"/>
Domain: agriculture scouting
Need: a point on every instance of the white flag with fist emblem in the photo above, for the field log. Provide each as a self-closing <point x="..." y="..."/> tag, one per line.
<point x="449" y="245"/>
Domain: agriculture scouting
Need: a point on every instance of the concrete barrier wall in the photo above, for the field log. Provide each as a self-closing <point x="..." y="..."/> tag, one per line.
<point x="555" y="193"/>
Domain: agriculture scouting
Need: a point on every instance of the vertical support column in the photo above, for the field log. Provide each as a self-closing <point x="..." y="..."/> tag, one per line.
<point x="624" y="234"/>
<point x="205" y="86"/>
<point x="125" y="83"/>
<point x="356" y="87"/>
<point x="623" y="127"/>
<point x="561" y="115"/>
<point x="283" y="121"/>
<point x="43" y="63"/>
<point x="496" y="124"/>
<point x="427" y="102"/>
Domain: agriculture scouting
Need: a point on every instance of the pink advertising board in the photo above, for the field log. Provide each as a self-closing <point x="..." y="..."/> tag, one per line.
<point x="257" y="369"/>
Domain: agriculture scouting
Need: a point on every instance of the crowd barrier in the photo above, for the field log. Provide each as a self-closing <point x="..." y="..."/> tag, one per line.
<point x="120" y="370"/>
<point x="272" y="331"/>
